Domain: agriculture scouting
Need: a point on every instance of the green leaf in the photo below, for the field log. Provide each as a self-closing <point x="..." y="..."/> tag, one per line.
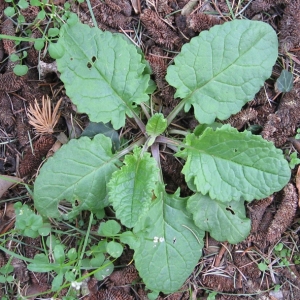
<point x="224" y="221"/>
<point x="52" y="32"/>
<point x="56" y="50"/>
<point x="284" y="83"/>
<point x="14" y="57"/>
<point x="130" y="188"/>
<point x="114" y="249"/>
<point x="9" y="11"/>
<point x="6" y="269"/>
<point x="170" y="244"/>
<point x="229" y="165"/>
<point x="23" y="4"/>
<point x="94" y="128"/>
<point x="103" y="73"/>
<point x="2" y="279"/>
<point x="77" y="173"/>
<point x="59" y="254"/>
<point x="39" y="44"/>
<point x="21" y="19"/>
<point x="41" y="15"/>
<point x="105" y="270"/>
<point x="294" y="160"/>
<point x="97" y="260"/>
<point x="70" y="276"/>
<point x="156" y="125"/>
<point x="109" y="228"/>
<point x="72" y="254"/>
<point x="128" y="237"/>
<point x="223" y="68"/>
<point x="27" y="222"/>
<point x="45" y="229"/>
<point x="35" y="3"/>
<point x="41" y="264"/>
<point x="263" y="267"/>
<point x="20" y="70"/>
<point x="57" y="281"/>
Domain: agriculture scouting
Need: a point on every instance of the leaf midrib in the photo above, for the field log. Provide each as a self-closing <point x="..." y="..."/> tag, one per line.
<point x="101" y="74"/>
<point x="188" y="97"/>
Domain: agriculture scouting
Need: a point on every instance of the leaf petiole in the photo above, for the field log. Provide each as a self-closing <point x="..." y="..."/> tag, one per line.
<point x="176" y="111"/>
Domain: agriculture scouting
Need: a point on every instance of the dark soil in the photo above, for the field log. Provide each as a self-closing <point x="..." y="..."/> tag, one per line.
<point x="230" y="270"/>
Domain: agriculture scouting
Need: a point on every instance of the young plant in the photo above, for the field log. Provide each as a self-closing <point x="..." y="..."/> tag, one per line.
<point x="108" y="78"/>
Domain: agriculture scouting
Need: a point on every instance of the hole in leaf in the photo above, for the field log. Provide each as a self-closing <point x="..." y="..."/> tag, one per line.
<point x="64" y="207"/>
<point x="89" y="65"/>
<point x="230" y="210"/>
<point x="71" y="58"/>
<point x="94" y="59"/>
<point x="235" y="150"/>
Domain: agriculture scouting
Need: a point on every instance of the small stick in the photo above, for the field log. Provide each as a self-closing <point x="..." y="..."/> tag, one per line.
<point x="220" y="254"/>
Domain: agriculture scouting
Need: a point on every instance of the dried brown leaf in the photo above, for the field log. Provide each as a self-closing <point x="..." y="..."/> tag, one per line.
<point x="6" y="182"/>
<point x="42" y="118"/>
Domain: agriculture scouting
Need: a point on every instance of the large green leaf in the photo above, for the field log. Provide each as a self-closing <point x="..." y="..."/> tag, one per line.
<point x="224" y="221"/>
<point x="229" y="165"/>
<point x="223" y="68"/>
<point x="79" y="173"/>
<point x="131" y="188"/>
<point x="170" y="243"/>
<point x="104" y="74"/>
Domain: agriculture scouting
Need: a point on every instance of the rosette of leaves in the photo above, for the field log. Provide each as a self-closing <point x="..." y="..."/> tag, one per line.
<point x="216" y="73"/>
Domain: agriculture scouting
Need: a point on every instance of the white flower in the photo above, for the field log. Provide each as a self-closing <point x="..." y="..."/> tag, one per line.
<point x="76" y="285"/>
<point x="155" y="239"/>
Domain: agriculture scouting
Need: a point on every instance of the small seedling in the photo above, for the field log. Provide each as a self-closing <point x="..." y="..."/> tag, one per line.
<point x="28" y="223"/>
<point x="294" y="160"/>
<point x="298" y="134"/>
<point x="5" y="273"/>
<point x="284" y="254"/>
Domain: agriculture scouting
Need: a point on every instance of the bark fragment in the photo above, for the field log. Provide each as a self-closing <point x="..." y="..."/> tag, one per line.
<point x="284" y="215"/>
<point x="31" y="161"/>
<point x="161" y="33"/>
<point x="281" y="125"/>
<point x="201" y="21"/>
<point x="290" y="23"/>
